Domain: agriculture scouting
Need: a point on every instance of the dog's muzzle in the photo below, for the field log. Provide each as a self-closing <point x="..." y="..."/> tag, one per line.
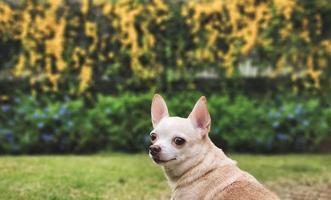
<point x="154" y="150"/>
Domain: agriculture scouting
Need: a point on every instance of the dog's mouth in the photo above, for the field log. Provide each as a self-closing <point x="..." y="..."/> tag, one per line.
<point x="159" y="161"/>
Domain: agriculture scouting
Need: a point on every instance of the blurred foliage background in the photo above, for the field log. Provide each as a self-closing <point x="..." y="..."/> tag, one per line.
<point x="78" y="76"/>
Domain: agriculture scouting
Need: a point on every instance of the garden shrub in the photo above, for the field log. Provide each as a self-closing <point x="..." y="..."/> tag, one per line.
<point x="286" y="124"/>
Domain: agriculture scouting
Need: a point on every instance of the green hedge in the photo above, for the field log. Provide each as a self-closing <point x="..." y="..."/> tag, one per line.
<point x="123" y="123"/>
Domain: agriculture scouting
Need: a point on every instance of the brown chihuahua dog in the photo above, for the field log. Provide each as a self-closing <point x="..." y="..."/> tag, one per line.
<point x="196" y="169"/>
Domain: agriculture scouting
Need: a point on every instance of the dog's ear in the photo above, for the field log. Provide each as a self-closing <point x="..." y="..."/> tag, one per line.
<point x="200" y="116"/>
<point x="159" y="109"/>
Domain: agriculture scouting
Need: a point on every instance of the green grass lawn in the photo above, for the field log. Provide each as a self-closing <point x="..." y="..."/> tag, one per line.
<point x="125" y="176"/>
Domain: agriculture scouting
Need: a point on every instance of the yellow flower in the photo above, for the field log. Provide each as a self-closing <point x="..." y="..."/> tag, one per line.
<point x="322" y="62"/>
<point x="107" y="8"/>
<point x="85" y="6"/>
<point x="90" y="29"/>
<point x="85" y="76"/>
<point x="18" y="71"/>
<point x="326" y="44"/>
<point x="4" y="97"/>
<point x="285" y="7"/>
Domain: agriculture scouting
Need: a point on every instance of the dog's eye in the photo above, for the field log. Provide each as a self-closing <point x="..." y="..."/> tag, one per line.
<point x="179" y="141"/>
<point x="153" y="137"/>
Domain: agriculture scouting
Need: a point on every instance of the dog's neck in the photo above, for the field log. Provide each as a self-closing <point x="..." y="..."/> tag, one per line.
<point x="207" y="159"/>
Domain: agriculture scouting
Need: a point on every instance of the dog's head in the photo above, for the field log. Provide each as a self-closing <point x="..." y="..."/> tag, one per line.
<point x="174" y="139"/>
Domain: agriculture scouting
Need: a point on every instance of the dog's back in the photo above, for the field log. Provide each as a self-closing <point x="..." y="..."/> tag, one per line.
<point x="245" y="190"/>
<point x="219" y="178"/>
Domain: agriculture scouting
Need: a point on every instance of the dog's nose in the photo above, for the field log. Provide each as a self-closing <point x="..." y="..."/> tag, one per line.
<point x="154" y="149"/>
